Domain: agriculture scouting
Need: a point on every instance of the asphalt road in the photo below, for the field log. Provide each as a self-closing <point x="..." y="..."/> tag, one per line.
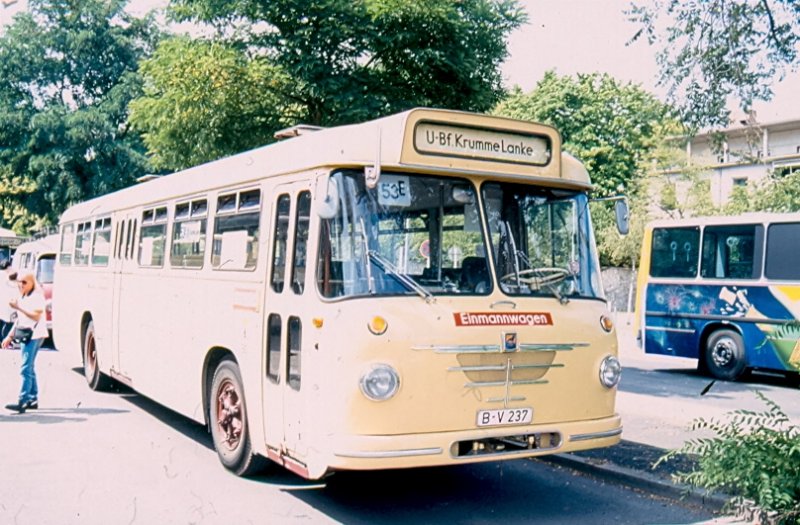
<point x="108" y="458"/>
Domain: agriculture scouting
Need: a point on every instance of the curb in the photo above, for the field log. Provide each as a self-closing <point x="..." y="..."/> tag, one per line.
<point x="653" y="484"/>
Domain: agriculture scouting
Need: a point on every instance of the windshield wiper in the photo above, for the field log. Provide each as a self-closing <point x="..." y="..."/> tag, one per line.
<point x="387" y="266"/>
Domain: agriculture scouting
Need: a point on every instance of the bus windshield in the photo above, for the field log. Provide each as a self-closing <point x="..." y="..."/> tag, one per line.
<point x="541" y="241"/>
<point x="410" y="235"/>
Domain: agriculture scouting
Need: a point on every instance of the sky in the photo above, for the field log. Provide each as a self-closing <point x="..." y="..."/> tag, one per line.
<point x="586" y="36"/>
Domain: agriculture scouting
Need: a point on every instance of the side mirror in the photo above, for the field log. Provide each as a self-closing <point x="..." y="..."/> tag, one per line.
<point x="622" y="216"/>
<point x="326" y="202"/>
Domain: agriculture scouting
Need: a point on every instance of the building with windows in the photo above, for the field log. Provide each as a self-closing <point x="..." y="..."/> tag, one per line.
<point x="743" y="154"/>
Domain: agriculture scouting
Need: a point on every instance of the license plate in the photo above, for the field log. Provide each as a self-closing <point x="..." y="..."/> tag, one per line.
<point x="504" y="416"/>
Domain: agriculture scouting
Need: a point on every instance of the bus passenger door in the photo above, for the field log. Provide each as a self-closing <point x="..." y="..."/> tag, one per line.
<point x="121" y="259"/>
<point x="285" y="417"/>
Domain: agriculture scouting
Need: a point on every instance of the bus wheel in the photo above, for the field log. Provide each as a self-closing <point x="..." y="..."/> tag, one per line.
<point x="91" y="369"/>
<point x="724" y="356"/>
<point x="228" y="421"/>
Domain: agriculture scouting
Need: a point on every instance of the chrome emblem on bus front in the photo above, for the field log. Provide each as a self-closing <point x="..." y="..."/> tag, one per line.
<point x="510" y="342"/>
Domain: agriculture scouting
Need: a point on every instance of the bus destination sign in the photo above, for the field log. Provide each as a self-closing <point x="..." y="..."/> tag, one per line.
<point x="484" y="144"/>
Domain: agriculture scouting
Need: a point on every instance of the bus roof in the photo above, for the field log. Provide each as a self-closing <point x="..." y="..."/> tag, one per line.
<point x="723" y="220"/>
<point x="434" y="140"/>
<point x="48" y="244"/>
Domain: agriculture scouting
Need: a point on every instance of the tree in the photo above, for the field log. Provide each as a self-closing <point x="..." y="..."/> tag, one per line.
<point x="351" y="60"/>
<point x="67" y="73"/>
<point x="204" y="100"/>
<point x="611" y="127"/>
<point x="718" y="49"/>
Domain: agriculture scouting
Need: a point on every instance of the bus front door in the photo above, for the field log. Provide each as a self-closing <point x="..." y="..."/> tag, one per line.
<point x="287" y="301"/>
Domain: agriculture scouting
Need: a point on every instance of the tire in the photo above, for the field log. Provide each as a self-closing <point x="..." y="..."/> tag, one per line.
<point x="724" y="355"/>
<point x="228" y="421"/>
<point x="91" y="368"/>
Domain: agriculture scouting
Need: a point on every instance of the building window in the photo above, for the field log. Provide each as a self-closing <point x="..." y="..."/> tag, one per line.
<point x="740" y="182"/>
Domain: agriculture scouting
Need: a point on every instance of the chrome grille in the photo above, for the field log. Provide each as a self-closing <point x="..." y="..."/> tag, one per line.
<point x="488" y="366"/>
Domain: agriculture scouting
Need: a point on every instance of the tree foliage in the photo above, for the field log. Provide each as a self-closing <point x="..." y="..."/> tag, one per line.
<point x="714" y="50"/>
<point x="67" y="73"/>
<point x="351" y="60"/>
<point x="611" y="127"/>
<point x="204" y="100"/>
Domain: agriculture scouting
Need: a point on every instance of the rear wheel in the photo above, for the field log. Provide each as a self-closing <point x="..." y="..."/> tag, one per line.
<point x="228" y="421"/>
<point x="724" y="355"/>
<point x="91" y="368"/>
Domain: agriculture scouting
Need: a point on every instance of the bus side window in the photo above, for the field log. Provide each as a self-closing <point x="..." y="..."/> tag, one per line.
<point x="153" y="240"/>
<point x="82" y="243"/>
<point x="294" y="342"/>
<point x="189" y="235"/>
<point x="274" y="348"/>
<point x="101" y="242"/>
<point x="120" y="237"/>
<point x="281" y="234"/>
<point x="67" y="244"/>
<point x="300" y="241"/>
<point x="133" y="237"/>
<point x="236" y="231"/>
<point x="729" y="252"/>
<point x="675" y="252"/>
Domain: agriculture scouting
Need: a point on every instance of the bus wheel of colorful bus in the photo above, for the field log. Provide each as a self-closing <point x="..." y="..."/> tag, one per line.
<point x="228" y="421"/>
<point x="724" y="356"/>
<point x="91" y="368"/>
<point x="537" y="277"/>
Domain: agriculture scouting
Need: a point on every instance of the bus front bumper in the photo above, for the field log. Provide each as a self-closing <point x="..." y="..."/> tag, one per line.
<point x="471" y="446"/>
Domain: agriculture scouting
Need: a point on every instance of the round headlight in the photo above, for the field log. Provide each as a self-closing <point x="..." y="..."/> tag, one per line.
<point x="380" y="383"/>
<point x="610" y="371"/>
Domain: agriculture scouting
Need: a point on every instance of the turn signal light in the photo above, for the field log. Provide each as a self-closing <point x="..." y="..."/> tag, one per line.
<point x="378" y="325"/>
<point x="606" y="323"/>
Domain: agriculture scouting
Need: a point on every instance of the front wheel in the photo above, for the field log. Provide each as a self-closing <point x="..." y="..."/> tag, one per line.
<point x="228" y="421"/>
<point x="724" y="355"/>
<point x="91" y="368"/>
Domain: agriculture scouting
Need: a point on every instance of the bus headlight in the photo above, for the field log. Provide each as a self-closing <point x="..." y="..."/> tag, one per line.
<point x="610" y="371"/>
<point x="380" y="383"/>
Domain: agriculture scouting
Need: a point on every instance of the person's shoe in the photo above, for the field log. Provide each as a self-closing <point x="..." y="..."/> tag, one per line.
<point x="32" y="405"/>
<point x="17" y="407"/>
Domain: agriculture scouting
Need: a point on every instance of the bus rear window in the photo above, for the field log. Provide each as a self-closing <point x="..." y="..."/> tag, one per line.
<point x="675" y="252"/>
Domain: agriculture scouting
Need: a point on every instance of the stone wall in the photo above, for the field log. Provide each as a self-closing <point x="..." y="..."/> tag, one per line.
<point x="620" y="287"/>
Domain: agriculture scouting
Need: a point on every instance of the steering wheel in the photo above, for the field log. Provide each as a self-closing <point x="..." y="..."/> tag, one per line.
<point x="537" y="277"/>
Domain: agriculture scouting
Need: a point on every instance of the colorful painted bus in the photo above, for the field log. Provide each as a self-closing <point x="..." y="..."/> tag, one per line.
<point x="418" y="290"/>
<point x="723" y="290"/>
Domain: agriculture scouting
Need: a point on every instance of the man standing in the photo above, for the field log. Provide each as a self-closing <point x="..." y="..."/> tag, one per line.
<point x="30" y="333"/>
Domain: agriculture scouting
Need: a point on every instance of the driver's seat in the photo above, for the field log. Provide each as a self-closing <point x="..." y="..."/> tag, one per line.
<point x="474" y="275"/>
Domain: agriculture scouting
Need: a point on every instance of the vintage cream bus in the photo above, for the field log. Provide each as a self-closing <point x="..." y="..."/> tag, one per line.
<point x="418" y="290"/>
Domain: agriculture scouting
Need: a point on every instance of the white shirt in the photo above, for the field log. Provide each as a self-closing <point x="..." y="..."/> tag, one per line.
<point x="30" y="303"/>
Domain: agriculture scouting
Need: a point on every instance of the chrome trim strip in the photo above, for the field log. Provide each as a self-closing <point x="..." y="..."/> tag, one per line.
<point x="479" y="384"/>
<point x="477" y="368"/>
<point x="480" y="349"/>
<point x="668" y="329"/>
<point x="522" y="367"/>
<point x="502" y="399"/>
<point x="596" y="435"/>
<point x="380" y="454"/>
